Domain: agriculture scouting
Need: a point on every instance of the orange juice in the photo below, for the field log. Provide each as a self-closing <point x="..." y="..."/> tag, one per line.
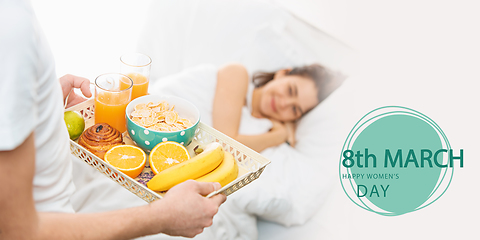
<point x="110" y="108"/>
<point x="140" y="85"/>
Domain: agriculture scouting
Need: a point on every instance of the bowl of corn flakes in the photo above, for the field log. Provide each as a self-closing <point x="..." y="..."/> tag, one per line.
<point x="153" y="119"/>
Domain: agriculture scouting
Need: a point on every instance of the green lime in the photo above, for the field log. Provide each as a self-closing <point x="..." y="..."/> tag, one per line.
<point x="75" y="124"/>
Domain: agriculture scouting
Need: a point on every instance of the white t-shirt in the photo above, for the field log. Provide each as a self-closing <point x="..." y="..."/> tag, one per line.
<point x="31" y="101"/>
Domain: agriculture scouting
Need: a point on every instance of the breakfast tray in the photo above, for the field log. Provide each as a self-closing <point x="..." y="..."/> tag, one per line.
<point x="250" y="163"/>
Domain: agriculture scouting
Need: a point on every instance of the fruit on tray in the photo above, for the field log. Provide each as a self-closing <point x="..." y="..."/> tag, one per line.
<point x="127" y="159"/>
<point x="99" y="138"/>
<point x="75" y="123"/>
<point x="193" y="168"/>
<point x="226" y="172"/>
<point x="166" y="155"/>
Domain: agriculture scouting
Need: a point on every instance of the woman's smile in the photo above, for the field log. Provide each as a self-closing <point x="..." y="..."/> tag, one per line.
<point x="274" y="107"/>
<point x="286" y="97"/>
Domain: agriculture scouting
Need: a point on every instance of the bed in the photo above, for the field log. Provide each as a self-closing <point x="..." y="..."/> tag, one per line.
<point x="181" y="35"/>
<point x="187" y="40"/>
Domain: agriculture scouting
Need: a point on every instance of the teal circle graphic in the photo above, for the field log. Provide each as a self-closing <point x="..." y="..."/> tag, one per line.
<point x="393" y="161"/>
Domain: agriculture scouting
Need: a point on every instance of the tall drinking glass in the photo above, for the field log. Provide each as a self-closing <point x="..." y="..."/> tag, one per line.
<point x="137" y="67"/>
<point x="112" y="94"/>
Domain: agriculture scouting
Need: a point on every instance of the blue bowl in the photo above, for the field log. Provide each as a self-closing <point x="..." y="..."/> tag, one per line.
<point x="147" y="139"/>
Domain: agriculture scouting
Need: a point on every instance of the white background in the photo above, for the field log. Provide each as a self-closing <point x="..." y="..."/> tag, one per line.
<point x="88" y="37"/>
<point x="416" y="47"/>
<point x="425" y="55"/>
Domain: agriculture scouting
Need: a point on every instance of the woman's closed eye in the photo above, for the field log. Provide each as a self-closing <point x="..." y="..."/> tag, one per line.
<point x="297" y="111"/>
<point x="290" y="90"/>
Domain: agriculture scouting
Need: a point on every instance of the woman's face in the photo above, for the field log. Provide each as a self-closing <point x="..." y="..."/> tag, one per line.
<point x="288" y="97"/>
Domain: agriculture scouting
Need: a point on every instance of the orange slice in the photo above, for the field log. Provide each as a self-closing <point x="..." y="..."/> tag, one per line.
<point x="127" y="159"/>
<point x="167" y="154"/>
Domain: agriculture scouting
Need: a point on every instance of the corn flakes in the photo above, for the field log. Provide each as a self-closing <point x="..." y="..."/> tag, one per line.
<point x="159" y="117"/>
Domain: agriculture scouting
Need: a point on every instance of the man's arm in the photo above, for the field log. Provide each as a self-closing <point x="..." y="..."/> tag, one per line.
<point x="183" y="211"/>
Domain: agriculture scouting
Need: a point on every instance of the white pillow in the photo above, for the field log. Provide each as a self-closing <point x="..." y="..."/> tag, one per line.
<point x="319" y="129"/>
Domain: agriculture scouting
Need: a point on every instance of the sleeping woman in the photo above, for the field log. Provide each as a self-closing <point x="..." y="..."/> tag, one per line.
<point x="282" y="97"/>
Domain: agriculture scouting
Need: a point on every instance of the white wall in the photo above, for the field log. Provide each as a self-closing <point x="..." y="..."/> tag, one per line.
<point x="419" y="53"/>
<point x="411" y="37"/>
<point x="88" y="37"/>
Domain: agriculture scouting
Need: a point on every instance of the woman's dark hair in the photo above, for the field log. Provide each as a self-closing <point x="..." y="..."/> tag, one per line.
<point x="325" y="80"/>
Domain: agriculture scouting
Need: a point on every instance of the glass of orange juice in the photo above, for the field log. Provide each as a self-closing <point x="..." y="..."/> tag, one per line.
<point x="113" y="92"/>
<point x="137" y="67"/>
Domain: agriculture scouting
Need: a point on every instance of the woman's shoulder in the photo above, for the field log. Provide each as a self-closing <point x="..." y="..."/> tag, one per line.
<point x="235" y="72"/>
<point x="234" y="69"/>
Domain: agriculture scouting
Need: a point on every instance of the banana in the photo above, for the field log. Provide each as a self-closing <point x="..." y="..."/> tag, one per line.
<point x="226" y="172"/>
<point x="193" y="168"/>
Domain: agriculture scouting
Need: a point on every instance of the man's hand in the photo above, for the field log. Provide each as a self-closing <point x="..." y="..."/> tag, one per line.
<point x="68" y="83"/>
<point x="184" y="211"/>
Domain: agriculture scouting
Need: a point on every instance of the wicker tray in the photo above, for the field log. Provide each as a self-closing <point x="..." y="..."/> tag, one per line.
<point x="251" y="164"/>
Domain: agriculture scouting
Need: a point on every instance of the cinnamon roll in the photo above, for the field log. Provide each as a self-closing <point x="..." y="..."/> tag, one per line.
<point x="99" y="138"/>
